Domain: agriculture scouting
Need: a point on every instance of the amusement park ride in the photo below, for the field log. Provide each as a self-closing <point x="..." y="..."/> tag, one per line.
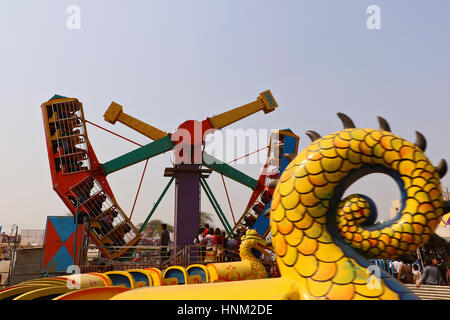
<point x="322" y="241"/>
<point x="80" y="179"/>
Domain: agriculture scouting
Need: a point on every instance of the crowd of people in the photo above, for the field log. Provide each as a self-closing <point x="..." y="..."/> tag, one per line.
<point x="214" y="247"/>
<point x="433" y="271"/>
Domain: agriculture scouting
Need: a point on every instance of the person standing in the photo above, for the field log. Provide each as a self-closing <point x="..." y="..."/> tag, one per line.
<point x="198" y="240"/>
<point x="396" y="264"/>
<point x="199" y="236"/>
<point x="208" y="240"/>
<point x="418" y="263"/>
<point x="232" y="246"/>
<point x="405" y="274"/>
<point x="431" y="274"/>
<point x="416" y="273"/>
<point x="444" y="270"/>
<point x="164" y="242"/>
<point x="218" y="244"/>
<point x="205" y="230"/>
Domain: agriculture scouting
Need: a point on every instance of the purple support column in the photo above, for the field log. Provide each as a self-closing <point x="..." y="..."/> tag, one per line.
<point x="187" y="203"/>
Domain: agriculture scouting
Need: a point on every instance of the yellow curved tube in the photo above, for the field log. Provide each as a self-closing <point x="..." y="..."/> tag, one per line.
<point x="96" y="293"/>
<point x="19" y="290"/>
<point x="43" y="292"/>
<point x="156" y="275"/>
<point x="264" y="289"/>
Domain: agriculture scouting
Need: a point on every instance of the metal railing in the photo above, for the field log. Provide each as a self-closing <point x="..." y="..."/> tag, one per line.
<point x="385" y="265"/>
<point x="162" y="257"/>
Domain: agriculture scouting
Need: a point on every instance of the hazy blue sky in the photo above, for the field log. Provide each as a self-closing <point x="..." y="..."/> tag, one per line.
<point x="170" y="61"/>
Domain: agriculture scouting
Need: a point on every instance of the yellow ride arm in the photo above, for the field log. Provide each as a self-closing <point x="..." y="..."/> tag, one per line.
<point x="265" y="102"/>
<point x="115" y="113"/>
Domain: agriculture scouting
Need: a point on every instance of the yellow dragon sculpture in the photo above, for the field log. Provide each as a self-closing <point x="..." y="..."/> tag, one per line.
<point x="319" y="239"/>
<point x="309" y="220"/>
<point x="248" y="268"/>
<point x="249" y="241"/>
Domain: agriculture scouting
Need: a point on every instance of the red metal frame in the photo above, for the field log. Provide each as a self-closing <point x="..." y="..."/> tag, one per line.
<point x="262" y="186"/>
<point x="63" y="182"/>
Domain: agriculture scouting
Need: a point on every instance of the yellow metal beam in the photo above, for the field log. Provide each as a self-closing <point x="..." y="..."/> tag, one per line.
<point x="265" y="102"/>
<point x="115" y="113"/>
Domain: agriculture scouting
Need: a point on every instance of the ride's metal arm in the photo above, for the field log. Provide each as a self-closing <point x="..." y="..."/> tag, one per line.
<point x="265" y="102"/>
<point x="149" y="150"/>
<point x="228" y="171"/>
<point x="115" y="113"/>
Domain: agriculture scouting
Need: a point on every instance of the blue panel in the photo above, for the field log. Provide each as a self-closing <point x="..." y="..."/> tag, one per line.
<point x="118" y="279"/>
<point x="289" y="147"/>
<point x="64" y="226"/>
<point x="196" y="271"/>
<point x="269" y="97"/>
<point x="408" y="296"/>
<point x="263" y="223"/>
<point x="139" y="277"/>
<point x="175" y="273"/>
<point x="396" y="286"/>
<point x="60" y="261"/>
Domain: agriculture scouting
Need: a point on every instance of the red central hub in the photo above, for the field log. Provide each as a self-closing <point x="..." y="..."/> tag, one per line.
<point x="189" y="136"/>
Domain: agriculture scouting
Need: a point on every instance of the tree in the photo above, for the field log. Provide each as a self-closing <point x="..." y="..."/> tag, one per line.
<point x="205" y="217"/>
<point x="153" y="228"/>
<point x="155" y="225"/>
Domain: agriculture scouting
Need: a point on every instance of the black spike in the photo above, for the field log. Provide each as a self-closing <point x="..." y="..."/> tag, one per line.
<point x="267" y="213"/>
<point x="346" y="121"/>
<point x="289" y="156"/>
<point x="421" y="142"/>
<point x="384" y="125"/>
<point x="273" y="183"/>
<point x="313" y="135"/>
<point x="437" y="241"/>
<point x="446" y="206"/>
<point x="442" y="168"/>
